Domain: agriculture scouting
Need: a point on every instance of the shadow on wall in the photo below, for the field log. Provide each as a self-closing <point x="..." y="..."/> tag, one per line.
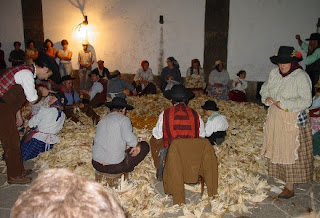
<point x="80" y="4"/>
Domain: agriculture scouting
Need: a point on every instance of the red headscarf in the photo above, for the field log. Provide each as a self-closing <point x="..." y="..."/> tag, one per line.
<point x="142" y="64"/>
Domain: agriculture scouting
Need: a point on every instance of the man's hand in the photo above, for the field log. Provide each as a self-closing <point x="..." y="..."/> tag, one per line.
<point x="298" y="37"/>
<point x="135" y="151"/>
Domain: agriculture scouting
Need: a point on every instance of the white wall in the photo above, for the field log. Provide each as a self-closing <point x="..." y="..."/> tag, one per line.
<point x="125" y="32"/>
<point x="11" y="26"/>
<point x="258" y="28"/>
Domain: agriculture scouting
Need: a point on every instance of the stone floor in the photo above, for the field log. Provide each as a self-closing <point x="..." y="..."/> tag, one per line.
<point x="306" y="199"/>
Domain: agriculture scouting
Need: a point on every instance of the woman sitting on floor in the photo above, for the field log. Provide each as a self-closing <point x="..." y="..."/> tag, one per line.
<point x="195" y="77"/>
<point x="218" y="82"/>
<point x="239" y="85"/>
<point x="170" y="75"/>
<point x="143" y="80"/>
<point x="46" y="125"/>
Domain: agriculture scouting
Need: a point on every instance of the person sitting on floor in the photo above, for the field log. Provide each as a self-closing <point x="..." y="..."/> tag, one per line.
<point x="238" y="92"/>
<point x="43" y="93"/>
<point x="114" y="133"/>
<point x="216" y="125"/>
<point x="102" y="71"/>
<point x="218" y="82"/>
<point x="117" y="86"/>
<point x="46" y="125"/>
<point x="74" y="103"/>
<point x="178" y="121"/>
<point x="97" y="94"/>
<point x="143" y="80"/>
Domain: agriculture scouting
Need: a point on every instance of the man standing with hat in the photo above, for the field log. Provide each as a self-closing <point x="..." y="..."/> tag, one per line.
<point x="17" y="86"/>
<point x="312" y="60"/>
<point x="86" y="59"/>
<point x="216" y="125"/>
<point x="114" y="133"/>
<point x="178" y="121"/>
<point x="73" y="101"/>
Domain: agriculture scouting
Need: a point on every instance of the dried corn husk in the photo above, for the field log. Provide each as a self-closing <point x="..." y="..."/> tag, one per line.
<point x="240" y="162"/>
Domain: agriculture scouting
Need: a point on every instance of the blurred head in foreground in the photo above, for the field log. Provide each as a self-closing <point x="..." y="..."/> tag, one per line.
<point x="61" y="193"/>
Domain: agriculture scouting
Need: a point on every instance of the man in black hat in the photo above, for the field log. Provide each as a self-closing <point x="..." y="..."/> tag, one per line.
<point x="312" y="60"/>
<point x="114" y="133"/>
<point x="216" y="125"/>
<point x="73" y="101"/>
<point x="178" y="121"/>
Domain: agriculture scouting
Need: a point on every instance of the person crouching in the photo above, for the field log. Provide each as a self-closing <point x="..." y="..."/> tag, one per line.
<point x="216" y="125"/>
<point x="114" y="133"/>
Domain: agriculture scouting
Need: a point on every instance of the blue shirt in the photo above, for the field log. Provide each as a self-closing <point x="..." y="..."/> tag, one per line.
<point x="72" y="99"/>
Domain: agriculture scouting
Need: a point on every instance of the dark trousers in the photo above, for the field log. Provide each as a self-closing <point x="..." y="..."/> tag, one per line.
<point x="127" y="165"/>
<point x="149" y="89"/>
<point x="87" y="109"/>
<point x="217" y="137"/>
<point x="9" y="136"/>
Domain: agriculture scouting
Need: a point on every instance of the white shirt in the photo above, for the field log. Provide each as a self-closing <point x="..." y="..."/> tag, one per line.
<point x="216" y="122"/>
<point x="114" y="132"/>
<point x="96" y="88"/>
<point x="240" y="86"/>
<point x="157" y="131"/>
<point x="47" y="125"/>
<point x="25" y="78"/>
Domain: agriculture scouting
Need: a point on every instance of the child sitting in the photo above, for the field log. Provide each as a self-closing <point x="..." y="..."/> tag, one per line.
<point x="216" y="125"/>
<point x="239" y="85"/>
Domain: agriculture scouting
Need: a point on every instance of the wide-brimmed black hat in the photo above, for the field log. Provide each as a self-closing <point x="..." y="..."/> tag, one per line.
<point x="67" y="77"/>
<point x="114" y="74"/>
<point x="179" y="93"/>
<point x="118" y="102"/>
<point x="210" y="105"/>
<point x="314" y="36"/>
<point x="286" y="54"/>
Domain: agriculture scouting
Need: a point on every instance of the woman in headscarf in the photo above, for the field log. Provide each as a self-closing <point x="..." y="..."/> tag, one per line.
<point x="46" y="125"/>
<point x="143" y="80"/>
<point x="218" y="82"/>
<point x="287" y="135"/>
<point x="195" y="77"/>
<point x="170" y="75"/>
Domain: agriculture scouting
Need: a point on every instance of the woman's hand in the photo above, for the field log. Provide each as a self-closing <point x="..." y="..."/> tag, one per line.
<point x="269" y="101"/>
<point x="277" y="104"/>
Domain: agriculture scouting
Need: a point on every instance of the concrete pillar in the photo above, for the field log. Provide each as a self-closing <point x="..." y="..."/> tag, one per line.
<point x="216" y="33"/>
<point x="33" y="21"/>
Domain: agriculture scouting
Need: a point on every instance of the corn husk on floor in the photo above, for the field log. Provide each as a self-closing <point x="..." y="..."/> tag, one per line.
<point x="240" y="161"/>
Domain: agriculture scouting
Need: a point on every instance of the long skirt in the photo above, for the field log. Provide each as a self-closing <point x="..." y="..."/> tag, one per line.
<point x="33" y="148"/>
<point x="302" y="170"/>
<point x="221" y="93"/>
<point x="238" y="96"/>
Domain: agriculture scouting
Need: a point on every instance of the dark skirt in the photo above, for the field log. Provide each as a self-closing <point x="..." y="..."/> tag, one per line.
<point x="33" y="148"/>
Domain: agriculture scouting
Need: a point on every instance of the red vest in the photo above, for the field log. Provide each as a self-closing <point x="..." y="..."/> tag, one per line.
<point x="103" y="94"/>
<point x="180" y="121"/>
<point x="7" y="78"/>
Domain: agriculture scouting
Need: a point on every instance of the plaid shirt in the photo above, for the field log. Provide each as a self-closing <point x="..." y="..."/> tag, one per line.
<point x="7" y="78"/>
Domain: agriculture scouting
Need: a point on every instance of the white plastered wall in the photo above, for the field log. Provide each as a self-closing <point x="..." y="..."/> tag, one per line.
<point x="11" y="26"/>
<point x="123" y="33"/>
<point x="258" y="27"/>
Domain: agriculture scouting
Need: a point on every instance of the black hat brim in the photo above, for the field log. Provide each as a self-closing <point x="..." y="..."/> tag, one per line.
<point x="209" y="108"/>
<point x="111" y="105"/>
<point x="284" y="60"/>
<point x="187" y="95"/>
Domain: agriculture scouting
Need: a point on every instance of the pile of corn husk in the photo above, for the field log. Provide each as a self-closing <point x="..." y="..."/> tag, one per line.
<point x="240" y="162"/>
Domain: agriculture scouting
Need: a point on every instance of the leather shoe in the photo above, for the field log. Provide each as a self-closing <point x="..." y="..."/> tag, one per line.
<point x="286" y="193"/>
<point x="19" y="180"/>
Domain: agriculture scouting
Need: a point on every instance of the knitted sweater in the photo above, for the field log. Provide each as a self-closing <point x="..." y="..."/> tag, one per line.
<point x="293" y="91"/>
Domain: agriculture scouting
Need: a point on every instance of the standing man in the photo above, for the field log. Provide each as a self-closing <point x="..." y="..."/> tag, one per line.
<point x="86" y="59"/>
<point x="312" y="60"/>
<point x="17" y="86"/>
<point x="17" y="55"/>
<point x="3" y="64"/>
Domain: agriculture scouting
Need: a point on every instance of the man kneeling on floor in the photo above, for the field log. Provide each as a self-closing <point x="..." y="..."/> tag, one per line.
<point x="114" y="133"/>
<point x="178" y="121"/>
